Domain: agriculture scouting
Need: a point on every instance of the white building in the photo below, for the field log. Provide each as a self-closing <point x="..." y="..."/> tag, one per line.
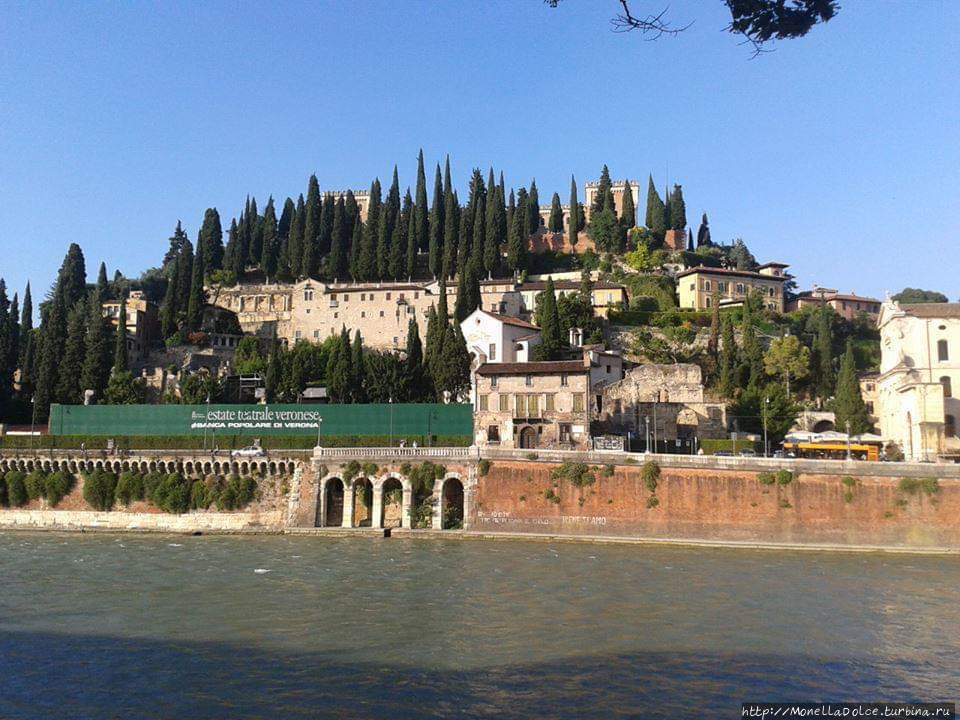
<point x="919" y="365"/>
<point x="494" y="338"/>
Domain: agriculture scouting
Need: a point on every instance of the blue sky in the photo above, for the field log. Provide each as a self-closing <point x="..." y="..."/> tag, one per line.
<point x="838" y="153"/>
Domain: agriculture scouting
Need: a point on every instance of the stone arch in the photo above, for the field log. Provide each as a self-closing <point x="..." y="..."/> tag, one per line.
<point x="330" y="502"/>
<point x="823" y="426"/>
<point x="273" y="468"/>
<point x="362" y="489"/>
<point x="391" y="501"/>
<point x="451" y="503"/>
<point x="528" y="437"/>
<point x="291" y="467"/>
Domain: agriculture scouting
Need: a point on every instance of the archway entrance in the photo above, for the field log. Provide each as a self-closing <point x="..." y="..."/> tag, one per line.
<point x="362" y="502"/>
<point x="528" y="438"/>
<point x="392" y="510"/>
<point x="333" y="501"/>
<point x="452" y="505"/>
<point x="823" y="426"/>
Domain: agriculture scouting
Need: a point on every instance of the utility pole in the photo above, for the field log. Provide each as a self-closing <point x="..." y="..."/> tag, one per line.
<point x="766" y="447"/>
<point x="849" y="457"/>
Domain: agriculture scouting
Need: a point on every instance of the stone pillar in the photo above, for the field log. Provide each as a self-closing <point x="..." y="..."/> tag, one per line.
<point x="377" y="520"/>
<point x="405" y="512"/>
<point x="347" y="506"/>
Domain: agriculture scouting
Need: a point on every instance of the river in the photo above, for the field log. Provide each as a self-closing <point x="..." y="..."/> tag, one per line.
<point x="147" y="626"/>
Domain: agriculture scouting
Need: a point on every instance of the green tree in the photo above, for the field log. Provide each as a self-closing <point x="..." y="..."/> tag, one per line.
<point x="453" y="367"/>
<point x="98" y="349"/>
<point x="822" y="356"/>
<point x="310" y="259"/>
<point x="198" y="296"/>
<point x="741" y="257"/>
<point x="604" y="195"/>
<point x="413" y="362"/>
<point x="788" y="359"/>
<point x="451" y="226"/>
<point x="517" y="237"/>
<point x="357" y="373"/>
<point x="421" y="222"/>
<point x="551" y="339"/>
<point x="628" y="211"/>
<point x="555" y="223"/>
<point x="848" y="406"/>
<point x="124" y="389"/>
<point x="103" y="285"/>
<point x="339" y="253"/>
<point x="656" y="220"/>
<point x="211" y="239"/>
<point x="703" y="233"/>
<point x="71" y="367"/>
<point x="270" y="243"/>
<point x="728" y="359"/>
<point x="435" y="258"/>
<point x="916" y="295"/>
<point x="678" y="209"/>
<point x="72" y="278"/>
<point x="295" y="246"/>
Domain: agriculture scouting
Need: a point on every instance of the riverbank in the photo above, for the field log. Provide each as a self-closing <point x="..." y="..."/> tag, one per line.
<point x="209" y="527"/>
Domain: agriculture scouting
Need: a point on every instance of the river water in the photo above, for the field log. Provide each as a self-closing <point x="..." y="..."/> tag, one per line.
<point x="144" y="626"/>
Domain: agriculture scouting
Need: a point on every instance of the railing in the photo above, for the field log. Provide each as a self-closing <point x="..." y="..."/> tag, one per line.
<point x="394" y="452"/>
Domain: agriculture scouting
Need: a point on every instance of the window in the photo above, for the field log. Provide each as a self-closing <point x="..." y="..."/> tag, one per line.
<point x="528" y="381"/>
<point x="388" y="296"/>
<point x="947" y="389"/>
<point x="346" y="298"/>
<point x="362" y="297"/>
<point x="493" y="434"/>
<point x="363" y="313"/>
<point x="563" y="380"/>
<point x="943" y="354"/>
<point x="316" y="334"/>
<point x="492" y="354"/>
<point x="708" y="302"/>
<point x="308" y="311"/>
<point x="949" y="426"/>
<point x="416" y="296"/>
<point x="395" y="342"/>
<point x="336" y="315"/>
<point x="608" y="369"/>
<point x="564" y="433"/>
<point x="548" y="402"/>
<point x="333" y="297"/>
<point x="617" y="407"/>
<point x="520" y="405"/>
<point x="504" y="402"/>
<point x="533" y="405"/>
<point x="706" y="285"/>
<point x="740" y="288"/>
<point x="493" y="381"/>
<point x="693" y="286"/>
<point x="371" y="296"/>
<point x="482" y="402"/>
<point x="297" y="335"/>
<point x="578" y="402"/>
<point x="869" y="406"/>
<point x="381" y="313"/>
<point x="307" y="295"/>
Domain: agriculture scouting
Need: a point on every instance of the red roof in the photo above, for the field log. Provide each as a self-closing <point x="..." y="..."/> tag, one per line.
<point x="508" y="320"/>
<point x="731" y="273"/>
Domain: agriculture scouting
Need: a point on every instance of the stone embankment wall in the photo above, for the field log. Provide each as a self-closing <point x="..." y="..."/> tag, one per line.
<point x="718" y="505"/>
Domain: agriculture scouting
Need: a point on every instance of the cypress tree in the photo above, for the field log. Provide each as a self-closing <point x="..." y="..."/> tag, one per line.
<point x="556" y="215"/>
<point x="357" y="371"/>
<point x="168" y="310"/>
<point x="356" y="242"/>
<point x="690" y="245"/>
<point x="274" y="372"/>
<point x="310" y="260"/>
<point x="120" y="359"/>
<point x="604" y="190"/>
<point x="465" y="237"/>
<point x="533" y="209"/>
<point x="384" y="244"/>
<point x="479" y="235"/>
<point x="413" y="363"/>
<point x="517" y="236"/>
<point x="411" y="256"/>
<point x="655" y="220"/>
<point x="253" y="236"/>
<point x="628" y="211"/>
<point x="822" y="355"/>
<point x="435" y="257"/>
<point x="53" y="330"/>
<point x="103" y="285"/>
<point x="286" y="217"/>
<point x="26" y="316"/>
<point x="211" y="238"/>
<point x="551" y="340"/>
<point x="574" y="213"/>
<point x="13" y="342"/>
<point x="6" y="372"/>
<point x="184" y="276"/>
<point x="451" y="223"/>
<point x="398" y="243"/>
<point x="295" y="247"/>
<point x="337" y="264"/>
<point x="429" y="353"/>
<point x="271" y="243"/>
<point x="72" y="278"/>
<point x="454" y="366"/>
<point x="848" y="405"/>
<point x="74" y="352"/>
<point x="366" y="260"/>
<point x="97" y="348"/>
<point x="751" y="352"/>
<point x="421" y="221"/>
<point x="197" y="297"/>
<point x="703" y="233"/>
<point x="678" y="209"/>
<point x="326" y="221"/>
<point x="511" y="210"/>
<point x="496" y="219"/>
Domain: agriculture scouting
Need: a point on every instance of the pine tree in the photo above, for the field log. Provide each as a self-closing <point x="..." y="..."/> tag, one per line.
<point x="851" y="411"/>
<point x="103" y="285"/>
<point x="74" y="352"/>
<point x="628" y="211"/>
<point x="703" y="233"/>
<point x="271" y="243"/>
<point x="551" y="340"/>
<point x="678" y="209"/>
<point x="655" y="219"/>
<point x="574" y="219"/>
<point x="533" y="209"/>
<point x="420" y="212"/>
<point x="435" y="257"/>
<point x="173" y="251"/>
<point x="120" y="360"/>
<point x="97" y="348"/>
<point x="728" y="360"/>
<point x="197" y="297"/>
<point x="555" y="224"/>
<point x="211" y="238"/>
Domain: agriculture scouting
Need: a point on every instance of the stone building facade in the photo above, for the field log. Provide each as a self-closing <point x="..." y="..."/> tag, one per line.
<point x="848" y="305"/>
<point x="313" y="310"/>
<point x="533" y="405"/>
<point x="919" y="367"/>
<point x="668" y="397"/>
<point x="143" y="322"/>
<point x="697" y="286"/>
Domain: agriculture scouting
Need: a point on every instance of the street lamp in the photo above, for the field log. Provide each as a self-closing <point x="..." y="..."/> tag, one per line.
<point x="319" y="425"/>
<point x="391" y="420"/>
<point x="33" y="422"/>
<point x="848" y="440"/>
<point x="646" y="437"/>
<point x="766" y="447"/>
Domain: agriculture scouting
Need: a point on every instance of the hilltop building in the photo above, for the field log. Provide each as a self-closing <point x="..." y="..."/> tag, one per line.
<point x="919" y="366"/>
<point x="849" y="305"/>
<point x="697" y="286"/>
<point x="143" y="322"/>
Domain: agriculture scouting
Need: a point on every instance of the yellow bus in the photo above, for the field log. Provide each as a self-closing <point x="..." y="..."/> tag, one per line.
<point x="834" y="450"/>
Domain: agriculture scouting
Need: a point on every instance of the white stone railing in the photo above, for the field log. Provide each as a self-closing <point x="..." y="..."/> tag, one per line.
<point x="394" y="452"/>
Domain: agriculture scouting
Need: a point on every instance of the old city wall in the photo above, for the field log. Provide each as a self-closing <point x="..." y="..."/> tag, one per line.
<point x="702" y="504"/>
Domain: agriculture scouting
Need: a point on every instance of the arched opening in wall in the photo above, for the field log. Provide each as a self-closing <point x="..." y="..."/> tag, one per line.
<point x="392" y="510"/>
<point x="452" y="504"/>
<point x="823" y="426"/>
<point x="528" y="438"/>
<point x="362" y="503"/>
<point x="333" y="501"/>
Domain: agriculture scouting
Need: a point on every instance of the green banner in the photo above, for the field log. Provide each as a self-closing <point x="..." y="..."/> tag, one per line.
<point x="414" y="419"/>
